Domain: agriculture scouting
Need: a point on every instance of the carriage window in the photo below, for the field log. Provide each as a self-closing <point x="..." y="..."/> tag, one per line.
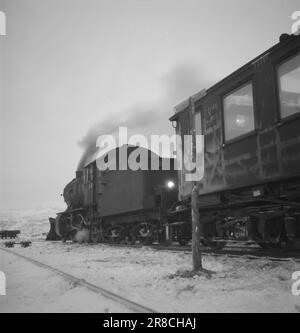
<point x="239" y="112"/>
<point x="289" y="87"/>
<point x="198" y="127"/>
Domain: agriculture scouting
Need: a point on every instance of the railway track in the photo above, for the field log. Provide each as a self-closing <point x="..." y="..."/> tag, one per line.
<point x="232" y="252"/>
<point x="251" y="254"/>
<point x="133" y="306"/>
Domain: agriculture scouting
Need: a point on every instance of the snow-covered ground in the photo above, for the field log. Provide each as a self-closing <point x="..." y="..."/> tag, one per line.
<point x="144" y="275"/>
<point x="34" y="289"/>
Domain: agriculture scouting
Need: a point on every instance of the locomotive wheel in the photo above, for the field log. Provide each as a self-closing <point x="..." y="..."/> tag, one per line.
<point x="129" y="237"/>
<point x="144" y="234"/>
<point x="113" y="235"/>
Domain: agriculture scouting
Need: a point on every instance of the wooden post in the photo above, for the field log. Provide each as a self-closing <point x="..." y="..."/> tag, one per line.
<point x="196" y="230"/>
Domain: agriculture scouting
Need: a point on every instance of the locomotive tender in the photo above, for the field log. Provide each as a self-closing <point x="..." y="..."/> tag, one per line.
<point x="251" y="185"/>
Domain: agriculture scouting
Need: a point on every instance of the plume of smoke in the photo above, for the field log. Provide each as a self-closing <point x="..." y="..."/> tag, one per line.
<point x="182" y="82"/>
<point x="177" y="85"/>
<point x="135" y="117"/>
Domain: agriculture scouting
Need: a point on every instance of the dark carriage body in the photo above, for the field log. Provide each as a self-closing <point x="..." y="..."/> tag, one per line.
<point x="251" y="126"/>
<point x="269" y="152"/>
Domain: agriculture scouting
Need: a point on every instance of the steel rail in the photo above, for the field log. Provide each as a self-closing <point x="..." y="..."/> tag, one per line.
<point x="250" y="253"/>
<point x="239" y="253"/>
<point x="100" y="290"/>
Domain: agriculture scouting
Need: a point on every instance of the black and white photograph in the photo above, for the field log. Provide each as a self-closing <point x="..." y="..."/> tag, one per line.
<point x="149" y="159"/>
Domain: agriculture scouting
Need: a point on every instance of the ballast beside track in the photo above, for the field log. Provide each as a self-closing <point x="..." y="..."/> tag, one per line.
<point x="233" y="252"/>
<point x="246" y="252"/>
<point x="92" y="287"/>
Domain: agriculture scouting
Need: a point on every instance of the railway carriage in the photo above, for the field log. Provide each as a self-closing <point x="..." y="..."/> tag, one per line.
<point x="251" y="126"/>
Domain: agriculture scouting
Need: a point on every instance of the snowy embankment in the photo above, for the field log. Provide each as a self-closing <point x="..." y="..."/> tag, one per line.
<point x="143" y="275"/>
<point x="33" y="223"/>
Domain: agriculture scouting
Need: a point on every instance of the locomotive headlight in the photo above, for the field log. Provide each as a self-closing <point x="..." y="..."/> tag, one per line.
<point x="170" y="184"/>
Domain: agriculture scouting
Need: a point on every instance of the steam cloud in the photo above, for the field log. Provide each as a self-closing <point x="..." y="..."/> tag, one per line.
<point x="177" y="85"/>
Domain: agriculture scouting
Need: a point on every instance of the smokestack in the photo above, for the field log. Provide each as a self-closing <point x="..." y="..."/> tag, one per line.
<point x="284" y="37"/>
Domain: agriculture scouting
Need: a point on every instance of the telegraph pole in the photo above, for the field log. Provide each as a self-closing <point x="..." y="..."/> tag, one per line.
<point x="196" y="223"/>
<point x="196" y="230"/>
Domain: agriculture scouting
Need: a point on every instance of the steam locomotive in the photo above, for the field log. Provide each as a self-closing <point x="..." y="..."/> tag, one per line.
<point x="118" y="206"/>
<point x="251" y="185"/>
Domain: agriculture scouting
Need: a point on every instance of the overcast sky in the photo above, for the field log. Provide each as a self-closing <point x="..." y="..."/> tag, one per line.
<point x="67" y="65"/>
